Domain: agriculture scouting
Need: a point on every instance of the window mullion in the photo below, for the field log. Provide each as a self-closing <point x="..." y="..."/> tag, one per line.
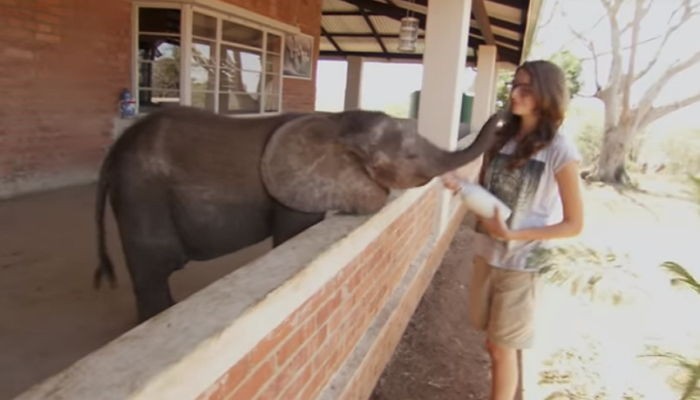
<point x="186" y="56"/>
<point x="217" y="65"/>
<point x="263" y="74"/>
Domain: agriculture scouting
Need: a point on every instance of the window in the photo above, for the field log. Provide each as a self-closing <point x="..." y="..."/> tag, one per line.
<point x="234" y="67"/>
<point x="158" y="57"/>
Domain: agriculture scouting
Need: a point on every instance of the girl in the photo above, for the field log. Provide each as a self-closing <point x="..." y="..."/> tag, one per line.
<point x="534" y="170"/>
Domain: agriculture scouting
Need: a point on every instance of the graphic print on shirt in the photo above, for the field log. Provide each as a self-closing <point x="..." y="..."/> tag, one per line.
<point x="515" y="187"/>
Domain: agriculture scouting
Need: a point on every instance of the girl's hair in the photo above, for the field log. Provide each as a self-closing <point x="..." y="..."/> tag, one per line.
<point x="551" y="99"/>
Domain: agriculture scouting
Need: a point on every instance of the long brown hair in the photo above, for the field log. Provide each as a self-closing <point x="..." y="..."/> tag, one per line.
<point x="551" y="99"/>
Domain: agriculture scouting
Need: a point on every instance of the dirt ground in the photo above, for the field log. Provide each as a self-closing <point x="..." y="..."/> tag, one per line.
<point x="440" y="356"/>
<point x="50" y="316"/>
<point x="601" y="318"/>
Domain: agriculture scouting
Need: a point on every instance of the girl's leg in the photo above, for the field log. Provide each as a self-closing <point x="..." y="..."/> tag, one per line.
<point x="511" y="327"/>
<point x="504" y="371"/>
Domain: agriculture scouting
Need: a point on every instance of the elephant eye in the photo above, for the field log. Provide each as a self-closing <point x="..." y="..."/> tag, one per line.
<point x="411" y="156"/>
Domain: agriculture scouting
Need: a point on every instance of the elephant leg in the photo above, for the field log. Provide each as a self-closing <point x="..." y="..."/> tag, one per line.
<point x="287" y="223"/>
<point x="150" y="270"/>
<point x="152" y="248"/>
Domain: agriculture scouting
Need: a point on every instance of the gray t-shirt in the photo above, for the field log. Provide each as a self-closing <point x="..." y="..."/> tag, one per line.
<point x="532" y="194"/>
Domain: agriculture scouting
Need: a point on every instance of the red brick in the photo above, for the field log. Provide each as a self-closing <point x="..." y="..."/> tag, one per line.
<point x="254" y="382"/>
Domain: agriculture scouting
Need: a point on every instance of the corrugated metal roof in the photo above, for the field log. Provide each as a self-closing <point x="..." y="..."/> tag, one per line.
<point x="369" y="28"/>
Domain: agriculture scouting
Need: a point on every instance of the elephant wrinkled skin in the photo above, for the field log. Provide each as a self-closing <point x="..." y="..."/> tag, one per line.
<point x="186" y="184"/>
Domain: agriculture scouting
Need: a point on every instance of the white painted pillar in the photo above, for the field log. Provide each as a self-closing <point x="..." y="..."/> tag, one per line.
<point x="484" y="86"/>
<point x="353" y="84"/>
<point x="444" y="63"/>
<point x="484" y="102"/>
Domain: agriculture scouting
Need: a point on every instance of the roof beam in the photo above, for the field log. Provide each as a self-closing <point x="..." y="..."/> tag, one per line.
<point x="506" y="25"/>
<point x="472" y="31"/>
<point x="510" y="3"/>
<point x="482" y="18"/>
<point x="375" y="8"/>
<point x="356" y="34"/>
<point x="385" y="10"/>
<point x="325" y="33"/>
<point x="499" y="39"/>
<point x="374" y="30"/>
<point x="368" y="54"/>
<point x="504" y="53"/>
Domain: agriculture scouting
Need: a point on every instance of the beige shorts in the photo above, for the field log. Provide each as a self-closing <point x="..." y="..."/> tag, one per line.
<point x="502" y="303"/>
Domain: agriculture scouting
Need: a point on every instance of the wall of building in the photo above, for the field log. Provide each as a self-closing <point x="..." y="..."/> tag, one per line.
<point x="316" y="318"/>
<point x="62" y="66"/>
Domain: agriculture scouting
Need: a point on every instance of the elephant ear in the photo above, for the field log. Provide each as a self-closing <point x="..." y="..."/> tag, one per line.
<point x="308" y="167"/>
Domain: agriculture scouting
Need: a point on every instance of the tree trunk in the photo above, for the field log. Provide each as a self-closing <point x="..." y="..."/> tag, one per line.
<point x="611" y="165"/>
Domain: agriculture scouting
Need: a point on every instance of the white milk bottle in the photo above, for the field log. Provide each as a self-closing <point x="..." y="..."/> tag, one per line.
<point x="482" y="202"/>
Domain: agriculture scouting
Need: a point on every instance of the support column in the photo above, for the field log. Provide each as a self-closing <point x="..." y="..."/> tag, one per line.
<point x="484" y="86"/>
<point x="484" y="102"/>
<point x="444" y="61"/>
<point x="353" y="84"/>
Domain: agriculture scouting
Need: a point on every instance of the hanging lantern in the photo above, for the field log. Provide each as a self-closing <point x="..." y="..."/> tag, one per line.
<point x="408" y="34"/>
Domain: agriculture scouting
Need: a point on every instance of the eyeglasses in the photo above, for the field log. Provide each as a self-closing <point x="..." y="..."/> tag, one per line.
<point x="524" y="89"/>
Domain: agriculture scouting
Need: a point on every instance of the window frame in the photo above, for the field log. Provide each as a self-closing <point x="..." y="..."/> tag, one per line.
<point x="222" y="12"/>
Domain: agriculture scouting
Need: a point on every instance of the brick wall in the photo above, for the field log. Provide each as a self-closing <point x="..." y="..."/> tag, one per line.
<point x="316" y="318"/>
<point x="62" y="66"/>
<point x="301" y="355"/>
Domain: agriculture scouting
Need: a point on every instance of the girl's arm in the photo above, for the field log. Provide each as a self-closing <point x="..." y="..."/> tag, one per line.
<point x="572" y="207"/>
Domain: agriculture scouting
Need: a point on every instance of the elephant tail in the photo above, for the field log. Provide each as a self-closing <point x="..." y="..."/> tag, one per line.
<point x="105" y="266"/>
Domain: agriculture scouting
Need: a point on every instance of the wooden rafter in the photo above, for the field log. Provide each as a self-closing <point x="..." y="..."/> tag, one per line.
<point x="374" y="30"/>
<point x="481" y="31"/>
<point x="328" y="36"/>
<point x="482" y="18"/>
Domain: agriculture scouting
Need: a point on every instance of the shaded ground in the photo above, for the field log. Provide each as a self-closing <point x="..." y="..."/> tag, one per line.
<point x="606" y="310"/>
<point x="440" y="356"/>
<point x="51" y="316"/>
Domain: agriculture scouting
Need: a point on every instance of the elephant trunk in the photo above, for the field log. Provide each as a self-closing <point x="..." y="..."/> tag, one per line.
<point x="448" y="161"/>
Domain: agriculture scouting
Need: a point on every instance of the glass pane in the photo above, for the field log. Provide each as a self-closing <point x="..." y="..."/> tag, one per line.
<point x="274" y="43"/>
<point x="157" y="47"/>
<point x="272" y="103"/>
<point x="150" y="99"/>
<point x="272" y="85"/>
<point x="203" y="68"/>
<point x="159" y="20"/>
<point x="237" y="33"/>
<point x="233" y="57"/>
<point x="203" y="100"/>
<point x="236" y="80"/>
<point x="235" y="103"/>
<point x="204" y="26"/>
<point x="162" y="74"/>
<point x="272" y="64"/>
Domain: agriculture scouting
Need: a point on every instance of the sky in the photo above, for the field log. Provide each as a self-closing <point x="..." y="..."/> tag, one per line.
<point x="385" y="84"/>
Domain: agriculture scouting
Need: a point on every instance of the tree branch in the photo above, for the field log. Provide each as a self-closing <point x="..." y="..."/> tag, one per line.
<point x="645" y="104"/>
<point x="658" y="112"/>
<point x="616" y="63"/>
<point x="639" y="13"/>
<point x="689" y="12"/>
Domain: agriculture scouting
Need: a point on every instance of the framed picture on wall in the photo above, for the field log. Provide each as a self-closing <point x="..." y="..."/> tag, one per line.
<point x="298" y="55"/>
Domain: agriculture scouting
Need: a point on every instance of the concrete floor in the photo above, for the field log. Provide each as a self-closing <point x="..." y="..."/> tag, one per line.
<point x="50" y="315"/>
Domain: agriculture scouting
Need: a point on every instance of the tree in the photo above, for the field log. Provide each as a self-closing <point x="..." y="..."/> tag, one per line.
<point x="628" y="72"/>
<point x="571" y="65"/>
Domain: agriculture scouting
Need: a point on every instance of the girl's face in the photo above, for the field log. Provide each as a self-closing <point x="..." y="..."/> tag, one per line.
<point x="522" y="95"/>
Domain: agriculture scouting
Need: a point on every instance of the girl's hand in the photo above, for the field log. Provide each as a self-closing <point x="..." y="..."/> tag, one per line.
<point x="496" y="227"/>
<point x="451" y="181"/>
